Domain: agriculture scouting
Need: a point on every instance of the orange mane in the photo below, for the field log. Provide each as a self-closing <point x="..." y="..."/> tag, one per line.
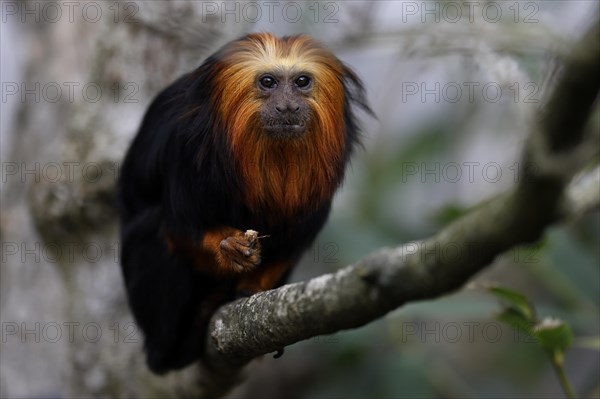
<point x="285" y="175"/>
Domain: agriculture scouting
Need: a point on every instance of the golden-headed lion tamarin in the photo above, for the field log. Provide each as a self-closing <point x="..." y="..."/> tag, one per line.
<point x="258" y="138"/>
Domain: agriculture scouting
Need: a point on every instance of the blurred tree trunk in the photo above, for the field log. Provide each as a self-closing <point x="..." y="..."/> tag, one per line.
<point x="90" y="78"/>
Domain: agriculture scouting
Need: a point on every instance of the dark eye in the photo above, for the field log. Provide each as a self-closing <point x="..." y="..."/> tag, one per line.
<point x="302" y="81"/>
<point x="267" y="82"/>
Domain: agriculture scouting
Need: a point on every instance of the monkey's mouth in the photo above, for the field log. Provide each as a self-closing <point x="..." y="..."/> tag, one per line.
<point x="286" y="128"/>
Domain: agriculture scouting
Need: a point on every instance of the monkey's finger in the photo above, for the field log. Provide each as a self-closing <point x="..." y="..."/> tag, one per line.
<point x="244" y="246"/>
<point x="241" y="245"/>
<point x="245" y="260"/>
<point x="240" y="254"/>
<point x="247" y="239"/>
<point x="233" y="246"/>
<point x="242" y="265"/>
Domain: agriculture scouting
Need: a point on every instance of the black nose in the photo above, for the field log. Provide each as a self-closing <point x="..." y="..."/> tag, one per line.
<point x="287" y="106"/>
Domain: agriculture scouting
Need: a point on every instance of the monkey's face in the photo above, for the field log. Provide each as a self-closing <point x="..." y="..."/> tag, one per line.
<point x="285" y="111"/>
<point x="269" y="90"/>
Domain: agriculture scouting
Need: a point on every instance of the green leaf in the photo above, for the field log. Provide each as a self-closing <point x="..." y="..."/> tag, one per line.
<point x="516" y="301"/>
<point x="516" y="320"/>
<point x="554" y="335"/>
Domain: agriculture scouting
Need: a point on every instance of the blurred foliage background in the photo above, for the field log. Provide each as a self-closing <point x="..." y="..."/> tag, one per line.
<point x="405" y="187"/>
<point x="454" y="96"/>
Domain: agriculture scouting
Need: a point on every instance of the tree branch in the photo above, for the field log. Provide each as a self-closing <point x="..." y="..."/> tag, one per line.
<point x="391" y="277"/>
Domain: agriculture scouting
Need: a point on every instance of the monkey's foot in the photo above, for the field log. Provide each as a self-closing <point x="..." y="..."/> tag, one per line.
<point x="279" y="353"/>
<point x="241" y="252"/>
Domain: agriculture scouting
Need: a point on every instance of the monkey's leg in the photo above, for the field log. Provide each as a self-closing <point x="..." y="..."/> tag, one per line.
<point x="264" y="277"/>
<point x="164" y="294"/>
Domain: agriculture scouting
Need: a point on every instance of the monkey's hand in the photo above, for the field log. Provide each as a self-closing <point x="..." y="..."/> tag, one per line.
<point x="240" y="252"/>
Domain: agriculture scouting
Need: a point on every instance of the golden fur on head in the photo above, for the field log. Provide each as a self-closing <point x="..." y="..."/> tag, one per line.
<point x="293" y="174"/>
